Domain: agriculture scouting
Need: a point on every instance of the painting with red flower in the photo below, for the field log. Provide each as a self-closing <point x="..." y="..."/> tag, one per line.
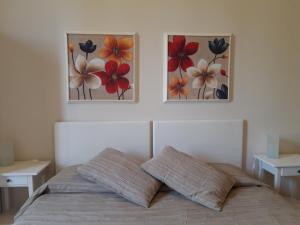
<point x="101" y="67"/>
<point x="197" y="67"/>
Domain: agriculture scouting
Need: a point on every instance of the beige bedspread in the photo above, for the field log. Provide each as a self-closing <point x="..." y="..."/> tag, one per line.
<point x="244" y="206"/>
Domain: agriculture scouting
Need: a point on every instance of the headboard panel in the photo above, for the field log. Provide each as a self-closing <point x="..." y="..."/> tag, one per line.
<point x="78" y="142"/>
<point x="213" y="140"/>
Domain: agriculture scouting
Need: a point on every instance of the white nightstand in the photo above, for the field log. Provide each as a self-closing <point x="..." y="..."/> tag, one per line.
<point x="30" y="174"/>
<point x="285" y="166"/>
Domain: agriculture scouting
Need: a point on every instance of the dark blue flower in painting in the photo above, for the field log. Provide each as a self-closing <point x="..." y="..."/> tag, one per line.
<point x="88" y="46"/>
<point x="223" y="92"/>
<point x="218" y="46"/>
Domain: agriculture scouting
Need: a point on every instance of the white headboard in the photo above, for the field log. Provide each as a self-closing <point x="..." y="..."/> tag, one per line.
<point x="78" y="142"/>
<point x="213" y="140"/>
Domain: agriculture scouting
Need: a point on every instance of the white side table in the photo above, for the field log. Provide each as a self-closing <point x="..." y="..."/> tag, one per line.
<point x="30" y="174"/>
<point x="285" y="166"/>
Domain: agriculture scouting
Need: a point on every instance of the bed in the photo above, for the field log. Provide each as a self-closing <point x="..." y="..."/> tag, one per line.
<point x="68" y="199"/>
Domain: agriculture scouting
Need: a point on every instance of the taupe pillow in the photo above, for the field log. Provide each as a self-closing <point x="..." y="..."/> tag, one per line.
<point x="121" y="174"/>
<point x="191" y="177"/>
<point x="69" y="180"/>
<point x="242" y="179"/>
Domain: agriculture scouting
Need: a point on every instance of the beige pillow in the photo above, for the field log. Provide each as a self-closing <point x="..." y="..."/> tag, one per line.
<point x="68" y="180"/>
<point x="242" y="179"/>
<point x="121" y="174"/>
<point x="191" y="177"/>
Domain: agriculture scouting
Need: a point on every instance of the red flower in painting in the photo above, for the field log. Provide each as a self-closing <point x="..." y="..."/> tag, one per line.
<point x="179" y="53"/>
<point x="223" y="72"/>
<point x="113" y="76"/>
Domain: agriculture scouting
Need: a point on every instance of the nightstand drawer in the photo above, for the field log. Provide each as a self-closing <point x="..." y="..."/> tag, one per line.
<point x="291" y="171"/>
<point x="13" y="181"/>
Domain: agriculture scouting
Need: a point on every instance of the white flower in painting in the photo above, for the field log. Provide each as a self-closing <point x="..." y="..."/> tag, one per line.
<point x="83" y="73"/>
<point x="209" y="95"/>
<point x="204" y="74"/>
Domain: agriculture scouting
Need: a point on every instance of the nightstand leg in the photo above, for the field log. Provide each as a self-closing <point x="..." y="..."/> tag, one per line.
<point x="253" y="167"/>
<point x="30" y="186"/>
<point x="260" y="171"/>
<point x="277" y="180"/>
<point x="6" y="199"/>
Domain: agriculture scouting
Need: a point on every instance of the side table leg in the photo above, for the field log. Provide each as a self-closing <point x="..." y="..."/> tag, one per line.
<point x="254" y="167"/>
<point x="6" y="199"/>
<point x="277" y="180"/>
<point x="30" y="186"/>
<point x="260" y="171"/>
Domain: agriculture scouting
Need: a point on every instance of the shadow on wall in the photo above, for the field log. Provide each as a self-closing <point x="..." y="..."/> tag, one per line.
<point x="288" y="146"/>
<point x="289" y="185"/>
<point x="30" y="97"/>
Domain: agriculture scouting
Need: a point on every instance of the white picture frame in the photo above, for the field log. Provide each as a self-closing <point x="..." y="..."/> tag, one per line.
<point x="134" y="81"/>
<point x="166" y="37"/>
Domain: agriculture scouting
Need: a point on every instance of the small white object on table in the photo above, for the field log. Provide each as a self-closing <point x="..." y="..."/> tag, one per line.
<point x="30" y="174"/>
<point x="286" y="165"/>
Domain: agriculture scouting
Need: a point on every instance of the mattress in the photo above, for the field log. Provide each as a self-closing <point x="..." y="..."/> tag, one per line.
<point x="65" y="200"/>
<point x="244" y="206"/>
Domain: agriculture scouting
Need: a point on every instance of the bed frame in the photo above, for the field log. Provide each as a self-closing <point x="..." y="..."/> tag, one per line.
<point x="213" y="140"/>
<point x="78" y="142"/>
<point x="218" y="141"/>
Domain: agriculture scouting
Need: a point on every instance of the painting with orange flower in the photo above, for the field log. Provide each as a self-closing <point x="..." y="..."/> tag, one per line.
<point x="197" y="67"/>
<point x="101" y="67"/>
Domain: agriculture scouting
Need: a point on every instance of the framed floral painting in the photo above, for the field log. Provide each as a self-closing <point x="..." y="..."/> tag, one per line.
<point x="101" y="67"/>
<point x="196" y="67"/>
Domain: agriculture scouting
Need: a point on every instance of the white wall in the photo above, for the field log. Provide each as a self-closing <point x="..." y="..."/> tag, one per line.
<point x="32" y="65"/>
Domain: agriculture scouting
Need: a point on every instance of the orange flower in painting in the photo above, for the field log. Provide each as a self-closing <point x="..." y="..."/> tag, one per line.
<point x="178" y="86"/>
<point x="71" y="47"/>
<point x="117" y="49"/>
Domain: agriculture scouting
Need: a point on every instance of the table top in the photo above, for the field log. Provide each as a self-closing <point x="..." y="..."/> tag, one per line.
<point x="284" y="160"/>
<point x="24" y="168"/>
